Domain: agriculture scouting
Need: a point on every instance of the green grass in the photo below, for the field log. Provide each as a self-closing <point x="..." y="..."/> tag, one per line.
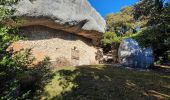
<point x="101" y="82"/>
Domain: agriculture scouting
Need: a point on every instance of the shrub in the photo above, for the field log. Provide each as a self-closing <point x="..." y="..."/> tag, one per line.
<point x="110" y="37"/>
<point x="27" y="81"/>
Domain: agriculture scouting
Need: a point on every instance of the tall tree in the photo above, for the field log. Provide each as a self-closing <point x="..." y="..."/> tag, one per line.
<point x="157" y="33"/>
<point x="123" y="22"/>
<point x="121" y="25"/>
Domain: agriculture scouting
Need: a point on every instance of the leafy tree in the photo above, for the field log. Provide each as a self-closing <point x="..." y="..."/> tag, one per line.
<point x="8" y="70"/>
<point x="18" y="81"/>
<point x="123" y="23"/>
<point x="148" y="22"/>
<point x="157" y="33"/>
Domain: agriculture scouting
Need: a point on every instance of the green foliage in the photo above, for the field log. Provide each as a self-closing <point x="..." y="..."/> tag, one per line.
<point x="12" y="67"/>
<point x="153" y="18"/>
<point x="19" y="77"/>
<point x="121" y="25"/>
<point x="31" y="77"/>
<point x="24" y="58"/>
<point x="25" y="79"/>
<point x="157" y="33"/>
<point x="110" y="37"/>
<point x="6" y="37"/>
<point x="4" y="14"/>
<point x="123" y="22"/>
<point x="8" y="2"/>
<point x="148" y="8"/>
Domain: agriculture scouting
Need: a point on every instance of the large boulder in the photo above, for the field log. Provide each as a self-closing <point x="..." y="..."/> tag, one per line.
<point x="132" y="55"/>
<point x="74" y="16"/>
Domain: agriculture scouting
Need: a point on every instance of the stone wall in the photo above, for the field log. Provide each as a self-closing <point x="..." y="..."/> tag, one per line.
<point x="63" y="48"/>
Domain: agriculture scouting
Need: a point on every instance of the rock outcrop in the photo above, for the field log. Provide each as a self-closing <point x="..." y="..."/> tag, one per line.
<point x="132" y="55"/>
<point x="66" y="31"/>
<point x="74" y="16"/>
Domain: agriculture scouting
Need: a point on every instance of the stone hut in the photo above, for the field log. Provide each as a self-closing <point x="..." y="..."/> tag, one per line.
<point x="67" y="31"/>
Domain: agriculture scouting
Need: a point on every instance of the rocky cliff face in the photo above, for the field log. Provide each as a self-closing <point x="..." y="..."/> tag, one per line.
<point x="76" y="16"/>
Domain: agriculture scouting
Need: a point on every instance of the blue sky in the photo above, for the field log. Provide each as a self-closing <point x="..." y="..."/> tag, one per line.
<point x="105" y="7"/>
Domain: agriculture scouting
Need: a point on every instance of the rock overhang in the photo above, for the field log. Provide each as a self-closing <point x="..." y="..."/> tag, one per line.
<point x="74" y="16"/>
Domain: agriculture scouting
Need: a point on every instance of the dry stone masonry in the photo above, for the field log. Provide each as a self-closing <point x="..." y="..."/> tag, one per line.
<point x="67" y="31"/>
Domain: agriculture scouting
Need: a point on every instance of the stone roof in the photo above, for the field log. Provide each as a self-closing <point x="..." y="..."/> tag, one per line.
<point x="76" y="16"/>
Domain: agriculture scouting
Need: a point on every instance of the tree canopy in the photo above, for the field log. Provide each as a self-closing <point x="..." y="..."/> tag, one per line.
<point x="157" y="33"/>
<point x="148" y="22"/>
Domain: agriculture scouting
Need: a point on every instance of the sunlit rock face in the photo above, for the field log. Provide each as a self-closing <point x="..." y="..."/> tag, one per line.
<point x="75" y="16"/>
<point x="63" y="48"/>
<point x="132" y="55"/>
<point x="67" y="31"/>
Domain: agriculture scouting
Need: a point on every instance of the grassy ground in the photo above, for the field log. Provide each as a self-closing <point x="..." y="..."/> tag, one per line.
<point x="101" y="82"/>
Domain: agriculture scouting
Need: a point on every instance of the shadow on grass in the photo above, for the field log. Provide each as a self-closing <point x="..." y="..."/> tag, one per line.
<point x="109" y="83"/>
<point x="33" y="80"/>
